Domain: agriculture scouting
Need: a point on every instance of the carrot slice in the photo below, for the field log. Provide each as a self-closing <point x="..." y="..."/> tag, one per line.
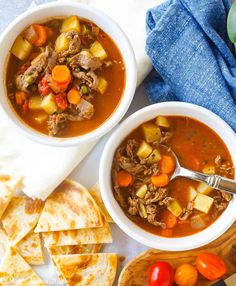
<point x="167" y="232"/>
<point x="168" y="218"/>
<point x="42" y="35"/>
<point x="61" y="74"/>
<point x="124" y="179"/>
<point x="21" y="96"/>
<point x="167" y="164"/>
<point x="73" y="96"/>
<point x="160" y="180"/>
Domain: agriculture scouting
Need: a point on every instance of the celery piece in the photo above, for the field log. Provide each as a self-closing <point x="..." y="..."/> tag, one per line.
<point x="141" y="192"/>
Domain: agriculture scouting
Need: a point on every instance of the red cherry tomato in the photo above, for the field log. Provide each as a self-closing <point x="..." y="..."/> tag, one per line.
<point x="210" y="266"/>
<point x="161" y="274"/>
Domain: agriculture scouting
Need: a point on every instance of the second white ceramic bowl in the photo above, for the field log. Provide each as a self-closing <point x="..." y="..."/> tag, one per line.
<point x="57" y="9"/>
<point x="172" y="244"/>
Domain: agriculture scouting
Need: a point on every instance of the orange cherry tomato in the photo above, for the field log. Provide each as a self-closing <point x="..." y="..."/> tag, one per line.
<point x="186" y="275"/>
<point x="210" y="266"/>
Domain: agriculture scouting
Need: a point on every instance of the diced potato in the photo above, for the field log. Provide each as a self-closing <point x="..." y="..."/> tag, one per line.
<point x="48" y="104"/>
<point x="141" y="192"/>
<point x="151" y="132"/>
<point x="41" y="118"/>
<point x="21" y="48"/>
<point x="204" y="189"/>
<point x="142" y="210"/>
<point x="203" y="203"/>
<point x="70" y="23"/>
<point x="98" y="51"/>
<point x="162" y="122"/>
<point x="62" y="43"/>
<point x="209" y="170"/>
<point x="198" y="222"/>
<point x="192" y="193"/>
<point x="175" y="208"/>
<point x="102" y="85"/>
<point x="154" y="157"/>
<point x="35" y="102"/>
<point x="144" y="150"/>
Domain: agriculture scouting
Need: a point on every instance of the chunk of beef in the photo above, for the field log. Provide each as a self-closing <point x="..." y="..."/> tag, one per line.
<point x="132" y="148"/>
<point x="187" y="212"/>
<point x="226" y="196"/>
<point x="126" y="164"/>
<point x="74" y="45"/>
<point x="152" y="216"/>
<point x="166" y="136"/>
<point x="155" y="196"/>
<point x="56" y="123"/>
<point x="219" y="203"/>
<point x="86" y="109"/>
<point x="133" y="206"/>
<point x="166" y="201"/>
<point x="43" y="62"/>
<point x="89" y="78"/>
<point x="85" y="61"/>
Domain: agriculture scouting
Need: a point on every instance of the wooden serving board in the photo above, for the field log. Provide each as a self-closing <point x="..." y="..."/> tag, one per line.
<point x="136" y="271"/>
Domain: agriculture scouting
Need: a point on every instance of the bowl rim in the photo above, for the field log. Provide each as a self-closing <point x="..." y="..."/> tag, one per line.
<point x="129" y="88"/>
<point x="199" y="239"/>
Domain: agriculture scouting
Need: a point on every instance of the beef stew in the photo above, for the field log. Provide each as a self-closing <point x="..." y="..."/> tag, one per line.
<point x="65" y="77"/>
<point x="142" y="169"/>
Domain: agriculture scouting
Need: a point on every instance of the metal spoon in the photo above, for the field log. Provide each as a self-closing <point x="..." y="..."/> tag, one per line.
<point x="214" y="181"/>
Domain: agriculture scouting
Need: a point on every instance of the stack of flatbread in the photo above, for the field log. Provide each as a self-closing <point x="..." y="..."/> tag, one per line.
<point x="73" y="228"/>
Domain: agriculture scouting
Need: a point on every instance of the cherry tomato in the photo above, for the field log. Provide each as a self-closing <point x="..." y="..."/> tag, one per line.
<point x="161" y="274"/>
<point x="61" y="101"/>
<point x="186" y="275"/>
<point x="210" y="266"/>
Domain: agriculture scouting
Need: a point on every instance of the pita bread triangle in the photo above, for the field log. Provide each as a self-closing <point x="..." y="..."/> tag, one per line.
<point x="87" y="269"/>
<point x="69" y="207"/>
<point x="30" y="247"/>
<point x="8" y="186"/>
<point x="14" y="270"/>
<point x="81" y="236"/>
<point x="20" y="217"/>
<point x="95" y="193"/>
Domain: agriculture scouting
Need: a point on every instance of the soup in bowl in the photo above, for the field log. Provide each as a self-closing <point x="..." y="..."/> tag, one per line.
<point x="70" y="74"/>
<point x="136" y="169"/>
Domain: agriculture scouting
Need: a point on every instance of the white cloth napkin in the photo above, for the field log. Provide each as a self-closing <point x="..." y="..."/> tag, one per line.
<point x="45" y="167"/>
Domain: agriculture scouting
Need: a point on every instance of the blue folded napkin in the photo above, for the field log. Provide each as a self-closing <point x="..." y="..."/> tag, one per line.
<point x="188" y="46"/>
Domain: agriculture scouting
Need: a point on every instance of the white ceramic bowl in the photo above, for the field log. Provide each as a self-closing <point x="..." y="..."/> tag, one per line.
<point x="41" y="13"/>
<point x="172" y="244"/>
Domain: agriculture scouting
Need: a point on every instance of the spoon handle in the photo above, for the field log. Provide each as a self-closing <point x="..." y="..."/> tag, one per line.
<point x="215" y="181"/>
